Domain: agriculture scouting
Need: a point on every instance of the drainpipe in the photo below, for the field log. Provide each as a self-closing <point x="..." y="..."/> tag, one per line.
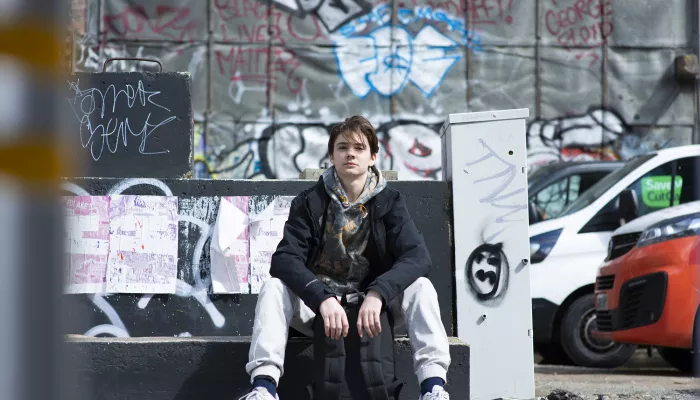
<point x="696" y="101"/>
<point x="687" y="71"/>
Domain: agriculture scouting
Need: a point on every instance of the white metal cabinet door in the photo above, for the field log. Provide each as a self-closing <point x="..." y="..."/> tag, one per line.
<point x="487" y="166"/>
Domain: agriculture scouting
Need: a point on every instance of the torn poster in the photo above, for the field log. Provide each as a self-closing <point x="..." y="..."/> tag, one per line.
<point x="86" y="243"/>
<point x="267" y="216"/>
<point x="229" y="249"/>
<point x="143" y="244"/>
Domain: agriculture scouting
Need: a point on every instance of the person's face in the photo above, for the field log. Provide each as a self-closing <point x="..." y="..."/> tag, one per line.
<point x="352" y="158"/>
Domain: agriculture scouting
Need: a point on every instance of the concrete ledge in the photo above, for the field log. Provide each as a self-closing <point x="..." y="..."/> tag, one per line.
<point x="315" y="173"/>
<point x="212" y="368"/>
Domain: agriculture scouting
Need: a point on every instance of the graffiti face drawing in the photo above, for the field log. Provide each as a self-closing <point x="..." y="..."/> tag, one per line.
<point x="487" y="273"/>
<point x="415" y="150"/>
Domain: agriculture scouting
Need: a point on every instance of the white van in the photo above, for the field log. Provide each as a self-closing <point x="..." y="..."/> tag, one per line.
<point x="567" y="251"/>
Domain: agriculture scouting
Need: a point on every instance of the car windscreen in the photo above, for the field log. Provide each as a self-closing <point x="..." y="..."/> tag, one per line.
<point x="535" y="176"/>
<point x="605" y="184"/>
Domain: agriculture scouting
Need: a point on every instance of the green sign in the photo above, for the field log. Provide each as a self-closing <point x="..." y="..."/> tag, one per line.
<point x="656" y="191"/>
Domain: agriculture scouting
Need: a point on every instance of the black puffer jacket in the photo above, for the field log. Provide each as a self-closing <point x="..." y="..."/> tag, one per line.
<point x="396" y="250"/>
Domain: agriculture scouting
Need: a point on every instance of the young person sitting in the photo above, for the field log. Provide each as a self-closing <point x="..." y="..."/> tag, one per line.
<point x="349" y="231"/>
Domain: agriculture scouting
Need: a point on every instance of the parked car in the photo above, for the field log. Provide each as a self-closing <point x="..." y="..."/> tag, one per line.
<point x="553" y="187"/>
<point x="648" y="289"/>
<point x="566" y="252"/>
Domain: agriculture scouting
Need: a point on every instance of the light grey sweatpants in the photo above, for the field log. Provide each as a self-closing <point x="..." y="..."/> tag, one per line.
<point x="278" y="309"/>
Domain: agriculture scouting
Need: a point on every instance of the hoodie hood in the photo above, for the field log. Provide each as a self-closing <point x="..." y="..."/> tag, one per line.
<point x="374" y="184"/>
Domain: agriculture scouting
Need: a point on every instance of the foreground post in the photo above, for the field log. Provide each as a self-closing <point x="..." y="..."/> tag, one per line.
<point x="484" y="157"/>
<point x="31" y="70"/>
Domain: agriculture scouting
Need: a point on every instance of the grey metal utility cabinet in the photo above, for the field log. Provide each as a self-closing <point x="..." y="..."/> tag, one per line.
<point x="485" y="159"/>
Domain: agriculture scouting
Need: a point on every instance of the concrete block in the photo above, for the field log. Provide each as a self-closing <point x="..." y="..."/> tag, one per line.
<point x="315" y="173"/>
<point x="213" y="368"/>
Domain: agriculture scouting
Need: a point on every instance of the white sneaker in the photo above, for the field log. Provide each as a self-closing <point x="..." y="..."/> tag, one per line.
<point x="261" y="394"/>
<point x="438" y="393"/>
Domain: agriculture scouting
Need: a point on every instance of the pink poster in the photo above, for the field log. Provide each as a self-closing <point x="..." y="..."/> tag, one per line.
<point x="87" y="243"/>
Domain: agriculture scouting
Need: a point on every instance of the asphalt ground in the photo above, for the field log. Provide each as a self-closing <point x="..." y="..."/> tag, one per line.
<point x="643" y="377"/>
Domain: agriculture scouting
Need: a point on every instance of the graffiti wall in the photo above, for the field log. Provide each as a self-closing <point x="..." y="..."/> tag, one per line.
<point x="269" y="78"/>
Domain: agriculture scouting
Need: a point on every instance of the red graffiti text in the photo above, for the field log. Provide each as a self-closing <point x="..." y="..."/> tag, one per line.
<point x="580" y="24"/>
<point x="262" y="66"/>
<point x="488" y="11"/>
<point x="134" y="22"/>
<point x="252" y="21"/>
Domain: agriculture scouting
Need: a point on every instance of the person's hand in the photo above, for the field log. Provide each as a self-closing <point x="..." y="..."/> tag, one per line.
<point x="335" y="321"/>
<point x="368" y="317"/>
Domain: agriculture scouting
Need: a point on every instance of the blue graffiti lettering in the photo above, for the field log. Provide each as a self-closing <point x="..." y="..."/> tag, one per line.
<point x="389" y="56"/>
<point x="385" y="63"/>
<point x="381" y="15"/>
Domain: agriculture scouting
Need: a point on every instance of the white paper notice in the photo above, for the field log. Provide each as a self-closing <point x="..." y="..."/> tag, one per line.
<point x="143" y="244"/>
<point x="267" y="215"/>
<point x="229" y="249"/>
<point x="87" y="243"/>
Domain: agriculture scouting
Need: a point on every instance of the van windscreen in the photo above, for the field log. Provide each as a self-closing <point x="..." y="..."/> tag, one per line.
<point x="605" y="184"/>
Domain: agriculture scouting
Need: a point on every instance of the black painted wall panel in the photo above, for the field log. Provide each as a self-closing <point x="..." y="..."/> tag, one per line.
<point x="232" y="315"/>
<point x="131" y="124"/>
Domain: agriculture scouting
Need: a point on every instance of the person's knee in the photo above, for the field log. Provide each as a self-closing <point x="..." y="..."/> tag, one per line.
<point x="421" y="289"/>
<point x="423" y="285"/>
<point x="273" y="285"/>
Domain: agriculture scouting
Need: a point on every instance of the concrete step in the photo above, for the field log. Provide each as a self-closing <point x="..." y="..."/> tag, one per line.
<point x="212" y="368"/>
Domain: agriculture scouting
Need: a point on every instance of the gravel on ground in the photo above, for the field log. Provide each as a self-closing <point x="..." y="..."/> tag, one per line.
<point x="642" y="378"/>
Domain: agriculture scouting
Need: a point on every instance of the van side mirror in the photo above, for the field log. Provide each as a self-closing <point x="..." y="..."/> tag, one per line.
<point x="628" y="205"/>
<point x="533" y="214"/>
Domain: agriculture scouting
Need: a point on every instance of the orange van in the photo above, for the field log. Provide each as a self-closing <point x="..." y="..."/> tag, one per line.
<point x="647" y="291"/>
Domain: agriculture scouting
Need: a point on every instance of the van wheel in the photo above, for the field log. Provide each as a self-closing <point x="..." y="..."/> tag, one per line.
<point x="553" y="354"/>
<point x="681" y="359"/>
<point x="579" y="344"/>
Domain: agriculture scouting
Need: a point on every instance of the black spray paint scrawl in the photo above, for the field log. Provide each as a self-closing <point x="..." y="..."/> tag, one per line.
<point x="487" y="273"/>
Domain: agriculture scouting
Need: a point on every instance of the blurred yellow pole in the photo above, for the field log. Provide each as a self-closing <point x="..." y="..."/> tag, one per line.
<point x="32" y="72"/>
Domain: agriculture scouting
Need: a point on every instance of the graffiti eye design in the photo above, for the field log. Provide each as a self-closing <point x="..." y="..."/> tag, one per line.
<point x="420" y="150"/>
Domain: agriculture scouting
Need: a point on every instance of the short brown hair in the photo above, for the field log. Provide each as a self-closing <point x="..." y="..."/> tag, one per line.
<point x="352" y="125"/>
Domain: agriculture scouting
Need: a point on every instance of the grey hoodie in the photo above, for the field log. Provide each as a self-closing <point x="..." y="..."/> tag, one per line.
<point x="341" y="263"/>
